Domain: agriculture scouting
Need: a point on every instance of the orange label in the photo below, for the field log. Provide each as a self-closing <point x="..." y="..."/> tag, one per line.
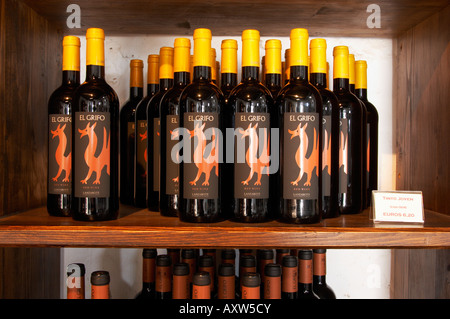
<point x="100" y="292"/>
<point x="250" y="292"/>
<point x="201" y="292"/>
<point x="290" y="279"/>
<point x="306" y="271"/>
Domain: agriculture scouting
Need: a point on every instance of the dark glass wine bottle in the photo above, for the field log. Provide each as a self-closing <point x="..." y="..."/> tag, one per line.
<point x="371" y="144"/>
<point x="305" y="275"/>
<point x="289" y="277"/>
<point x="189" y="257"/>
<point x="228" y="66"/>
<point x="252" y="114"/>
<point x="140" y="178"/>
<point x="202" y="104"/>
<point x="320" y="286"/>
<point x="180" y="281"/>
<point x="154" y="129"/>
<point x="273" y="71"/>
<point x="251" y="283"/>
<point x="148" y="274"/>
<point x="128" y="132"/>
<point x="272" y="281"/>
<point x="95" y="139"/>
<point x="170" y="122"/>
<point x="280" y="253"/>
<point x="300" y="107"/>
<point x="351" y="80"/>
<point x="226" y="282"/>
<point x="163" y="277"/>
<point x="350" y="136"/>
<point x="100" y="281"/>
<point x="330" y="129"/>
<point x="206" y="263"/>
<point x="60" y="108"/>
<point x="201" y="285"/>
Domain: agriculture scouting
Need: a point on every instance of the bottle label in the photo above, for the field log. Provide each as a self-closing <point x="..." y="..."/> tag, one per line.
<point x="306" y="271"/>
<point x="201" y="168"/>
<point x="343" y="156"/>
<point x="163" y="281"/>
<point x="60" y="154"/>
<point x="251" y="155"/>
<point x="326" y="155"/>
<point x="141" y="153"/>
<point x="100" y="292"/>
<point x="156" y="151"/>
<point x="289" y="282"/>
<point x="92" y="154"/>
<point x="172" y="167"/>
<point x="301" y="156"/>
<point x="368" y="156"/>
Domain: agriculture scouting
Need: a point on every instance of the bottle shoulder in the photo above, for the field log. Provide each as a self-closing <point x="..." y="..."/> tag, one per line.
<point x="253" y="90"/>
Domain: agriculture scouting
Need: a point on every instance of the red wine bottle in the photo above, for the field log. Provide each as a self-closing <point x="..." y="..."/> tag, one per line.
<point x="300" y="107"/>
<point x="252" y="113"/>
<point x="95" y="139"/>
<point x="60" y="108"/>
<point x="100" y="281"/>
<point x="272" y="65"/>
<point x="289" y="277"/>
<point x="226" y="282"/>
<point x="154" y="129"/>
<point x="371" y="145"/>
<point x="128" y="132"/>
<point x="330" y="129"/>
<point x="180" y="281"/>
<point x="148" y="274"/>
<point x="163" y="277"/>
<point x="350" y="136"/>
<point x="170" y="121"/>
<point x="201" y="104"/>
<point x="251" y="286"/>
<point x="272" y="281"/>
<point x="320" y="286"/>
<point x="201" y="285"/>
<point x="305" y="275"/>
<point x="140" y="164"/>
<point x="228" y="74"/>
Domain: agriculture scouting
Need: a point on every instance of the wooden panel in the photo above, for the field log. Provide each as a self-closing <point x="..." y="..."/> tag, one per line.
<point x="141" y="228"/>
<point x="29" y="70"/>
<point x="231" y="17"/>
<point x="422" y="144"/>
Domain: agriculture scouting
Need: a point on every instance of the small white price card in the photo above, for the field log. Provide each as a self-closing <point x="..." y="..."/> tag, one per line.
<point x="397" y="206"/>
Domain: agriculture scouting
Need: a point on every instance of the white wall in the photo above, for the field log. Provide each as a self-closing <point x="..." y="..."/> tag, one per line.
<point x="353" y="273"/>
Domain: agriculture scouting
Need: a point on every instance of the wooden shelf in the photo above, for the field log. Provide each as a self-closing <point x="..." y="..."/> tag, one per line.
<point x="231" y="17"/>
<point x="142" y="228"/>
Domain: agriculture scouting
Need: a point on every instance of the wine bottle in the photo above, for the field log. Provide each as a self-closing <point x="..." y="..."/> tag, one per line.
<point x="226" y="282"/>
<point x="350" y="136"/>
<point x="305" y="275"/>
<point x="201" y="285"/>
<point x="228" y="66"/>
<point x="252" y="113"/>
<point x="163" y="278"/>
<point x="320" y="286"/>
<point x="371" y="144"/>
<point x="76" y="281"/>
<point x="128" y="132"/>
<point x="148" y="274"/>
<point x="330" y="129"/>
<point x="170" y="121"/>
<point x="201" y="104"/>
<point x="206" y="263"/>
<point x="351" y="80"/>
<point x="95" y="138"/>
<point x="228" y="256"/>
<point x="188" y="256"/>
<point x="251" y="286"/>
<point x="174" y="254"/>
<point x="180" y="281"/>
<point x="272" y="281"/>
<point x="154" y="129"/>
<point x="140" y="178"/>
<point x="280" y="253"/>
<point x="100" y="280"/>
<point x="272" y="61"/>
<point x="264" y="257"/>
<point x="300" y="107"/>
<point x="289" y="277"/>
<point x="60" y="108"/>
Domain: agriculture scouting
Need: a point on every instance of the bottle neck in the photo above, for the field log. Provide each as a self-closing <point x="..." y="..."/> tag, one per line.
<point x="250" y="73"/>
<point x="341" y="84"/>
<point x="165" y="84"/>
<point x="302" y="287"/>
<point x="181" y="78"/>
<point x="229" y="79"/>
<point x="202" y="73"/>
<point x="319" y="80"/>
<point x="319" y="280"/>
<point x="352" y="87"/>
<point x="136" y="93"/>
<point x="361" y="93"/>
<point x="95" y="72"/>
<point x="71" y="77"/>
<point x="152" y="88"/>
<point x="298" y="72"/>
<point x="273" y="79"/>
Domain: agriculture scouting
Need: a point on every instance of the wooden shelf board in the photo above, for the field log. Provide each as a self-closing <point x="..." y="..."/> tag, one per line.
<point x="142" y="228"/>
<point x="231" y="17"/>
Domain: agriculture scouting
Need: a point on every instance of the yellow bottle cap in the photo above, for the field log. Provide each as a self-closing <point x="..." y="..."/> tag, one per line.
<point x="182" y="53"/>
<point x="136" y="73"/>
<point x="95" y="51"/>
<point x="351" y="69"/>
<point x="153" y="69"/>
<point x="299" y="47"/>
<point x="250" y="48"/>
<point x="318" y="48"/>
<point x="229" y="56"/>
<point x="202" y="47"/>
<point x="272" y="59"/>
<point x="360" y="74"/>
<point x="166" y="63"/>
<point x="71" y="53"/>
<point x="340" y="64"/>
